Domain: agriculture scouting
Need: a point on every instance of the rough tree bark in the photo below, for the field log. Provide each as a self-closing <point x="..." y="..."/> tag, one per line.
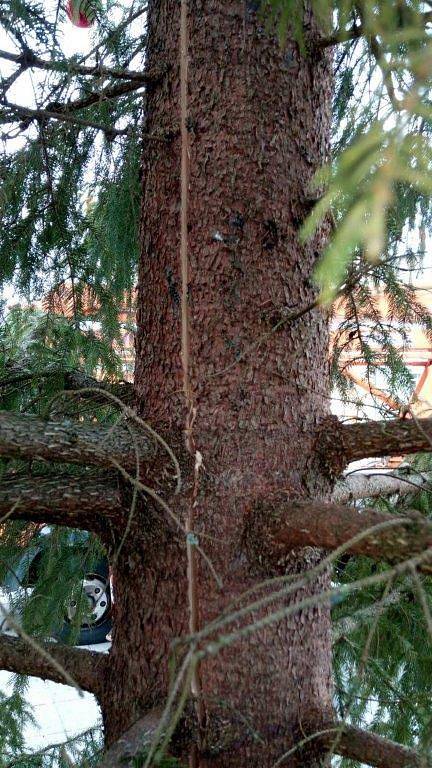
<point x="258" y="129"/>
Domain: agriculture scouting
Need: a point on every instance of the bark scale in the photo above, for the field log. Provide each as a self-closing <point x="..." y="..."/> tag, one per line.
<point x="258" y="129"/>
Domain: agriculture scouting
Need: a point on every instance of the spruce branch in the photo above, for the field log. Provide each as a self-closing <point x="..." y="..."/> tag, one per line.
<point x="367" y="747"/>
<point x="29" y="437"/>
<point x="357" y="31"/>
<point x="284" y="527"/>
<point x="29" y="60"/>
<point x="385" y="438"/>
<point x="349" y="624"/>
<point x="98" y="97"/>
<point x="73" y="380"/>
<point x="87" y="668"/>
<point x="372" y="485"/>
<point x="9" y="110"/>
<point x="69" y="500"/>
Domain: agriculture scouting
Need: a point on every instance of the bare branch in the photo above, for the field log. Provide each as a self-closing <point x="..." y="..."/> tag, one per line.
<point x="104" y="95"/>
<point x="371" y="486"/>
<point x="77" y="380"/>
<point x="28" y="437"/>
<point x="67" y="500"/>
<point x="386" y="438"/>
<point x="341" y="36"/>
<point x="280" y="528"/>
<point x="87" y="668"/>
<point x="372" y="749"/>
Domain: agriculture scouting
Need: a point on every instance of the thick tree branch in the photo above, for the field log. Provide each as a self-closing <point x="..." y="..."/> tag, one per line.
<point x="386" y="438"/>
<point x="87" y="668"/>
<point x="278" y="529"/>
<point x="372" y="749"/>
<point x="68" y="500"/>
<point x="371" y="486"/>
<point x="28" y="437"/>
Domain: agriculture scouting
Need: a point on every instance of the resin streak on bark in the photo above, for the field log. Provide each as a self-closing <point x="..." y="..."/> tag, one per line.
<point x="258" y="129"/>
<point x="301" y="524"/>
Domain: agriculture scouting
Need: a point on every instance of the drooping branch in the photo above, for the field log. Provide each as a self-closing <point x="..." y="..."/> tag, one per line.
<point x="68" y="500"/>
<point x="371" y="486"/>
<point x="386" y="438"/>
<point x="279" y="528"/>
<point x="28" y="437"/>
<point x="371" y="749"/>
<point x="87" y="668"/>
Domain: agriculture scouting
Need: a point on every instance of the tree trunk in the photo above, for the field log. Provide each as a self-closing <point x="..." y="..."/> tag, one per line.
<point x="258" y="129"/>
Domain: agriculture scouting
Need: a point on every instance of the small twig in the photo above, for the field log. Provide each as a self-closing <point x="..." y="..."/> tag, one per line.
<point x="29" y="60"/>
<point x="355" y="32"/>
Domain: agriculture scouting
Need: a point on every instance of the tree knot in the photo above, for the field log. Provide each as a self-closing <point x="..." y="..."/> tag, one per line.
<point x="330" y="450"/>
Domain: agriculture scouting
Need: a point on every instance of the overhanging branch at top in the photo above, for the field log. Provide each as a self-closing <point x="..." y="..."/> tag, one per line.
<point x="357" y="31"/>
